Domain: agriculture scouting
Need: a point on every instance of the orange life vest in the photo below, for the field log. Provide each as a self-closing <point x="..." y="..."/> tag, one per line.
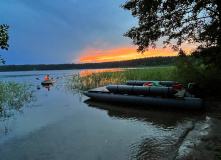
<point x="47" y="78"/>
<point x="147" y="84"/>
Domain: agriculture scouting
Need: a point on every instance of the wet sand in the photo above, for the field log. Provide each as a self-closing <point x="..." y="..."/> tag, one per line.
<point x="203" y="141"/>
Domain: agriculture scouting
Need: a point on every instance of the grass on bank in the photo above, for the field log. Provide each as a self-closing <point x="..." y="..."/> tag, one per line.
<point x="99" y="79"/>
<point x="186" y="69"/>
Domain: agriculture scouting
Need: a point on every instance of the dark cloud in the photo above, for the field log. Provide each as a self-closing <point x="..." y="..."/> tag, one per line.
<point x="56" y="31"/>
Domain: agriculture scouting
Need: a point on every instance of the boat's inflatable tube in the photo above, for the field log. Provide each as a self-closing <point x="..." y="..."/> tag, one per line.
<point x="188" y="103"/>
<point x="163" y="83"/>
<point x="47" y="82"/>
<point x="142" y="90"/>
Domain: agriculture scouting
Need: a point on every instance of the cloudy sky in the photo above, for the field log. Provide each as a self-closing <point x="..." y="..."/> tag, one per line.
<point x="69" y="31"/>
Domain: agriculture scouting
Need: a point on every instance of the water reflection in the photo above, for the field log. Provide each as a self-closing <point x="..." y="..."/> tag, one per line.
<point x="161" y="142"/>
<point x="165" y="119"/>
<point x="47" y="87"/>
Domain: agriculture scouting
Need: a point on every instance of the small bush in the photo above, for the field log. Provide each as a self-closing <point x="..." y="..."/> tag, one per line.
<point x="200" y="69"/>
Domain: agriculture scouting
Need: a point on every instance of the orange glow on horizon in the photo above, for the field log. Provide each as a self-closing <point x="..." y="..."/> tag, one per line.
<point x="92" y="55"/>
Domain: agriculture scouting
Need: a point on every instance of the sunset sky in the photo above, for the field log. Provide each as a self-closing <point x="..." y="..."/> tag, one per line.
<point x="70" y="31"/>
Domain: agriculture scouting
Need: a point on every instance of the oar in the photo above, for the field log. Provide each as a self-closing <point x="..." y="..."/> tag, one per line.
<point x="52" y="78"/>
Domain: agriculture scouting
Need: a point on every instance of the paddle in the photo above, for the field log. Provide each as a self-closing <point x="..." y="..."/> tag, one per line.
<point x="51" y="78"/>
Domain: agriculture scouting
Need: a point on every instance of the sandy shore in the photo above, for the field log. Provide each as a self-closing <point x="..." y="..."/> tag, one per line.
<point x="203" y="142"/>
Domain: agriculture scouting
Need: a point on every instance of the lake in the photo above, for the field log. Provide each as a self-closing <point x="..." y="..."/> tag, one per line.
<point x="59" y="123"/>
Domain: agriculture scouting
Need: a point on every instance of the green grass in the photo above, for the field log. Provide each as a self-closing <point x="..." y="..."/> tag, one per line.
<point x="150" y="73"/>
<point x="99" y="79"/>
<point x="218" y="154"/>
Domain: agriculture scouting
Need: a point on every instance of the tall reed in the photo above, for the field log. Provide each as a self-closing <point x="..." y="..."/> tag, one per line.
<point x="13" y="96"/>
<point x="99" y="79"/>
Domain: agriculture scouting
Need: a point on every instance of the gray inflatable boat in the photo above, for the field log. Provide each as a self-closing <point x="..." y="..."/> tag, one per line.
<point x="146" y="96"/>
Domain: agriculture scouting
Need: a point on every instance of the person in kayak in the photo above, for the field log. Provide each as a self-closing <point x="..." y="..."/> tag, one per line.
<point x="47" y="78"/>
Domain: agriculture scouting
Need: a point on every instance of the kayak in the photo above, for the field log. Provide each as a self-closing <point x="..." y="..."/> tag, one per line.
<point x="47" y="82"/>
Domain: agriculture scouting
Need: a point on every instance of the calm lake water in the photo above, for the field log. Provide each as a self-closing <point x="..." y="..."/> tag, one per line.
<point x="59" y="124"/>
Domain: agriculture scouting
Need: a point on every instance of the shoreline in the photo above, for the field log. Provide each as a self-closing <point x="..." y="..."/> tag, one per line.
<point x="204" y="140"/>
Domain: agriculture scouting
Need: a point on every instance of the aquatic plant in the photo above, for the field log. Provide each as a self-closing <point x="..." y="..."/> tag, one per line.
<point x="13" y="96"/>
<point x="98" y="79"/>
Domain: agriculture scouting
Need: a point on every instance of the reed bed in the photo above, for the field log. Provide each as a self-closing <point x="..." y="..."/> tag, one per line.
<point x="99" y="79"/>
<point x="13" y="96"/>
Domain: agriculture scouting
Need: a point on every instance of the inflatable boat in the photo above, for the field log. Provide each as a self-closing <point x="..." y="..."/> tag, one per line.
<point x="146" y="96"/>
<point x="163" y="83"/>
<point x="47" y="82"/>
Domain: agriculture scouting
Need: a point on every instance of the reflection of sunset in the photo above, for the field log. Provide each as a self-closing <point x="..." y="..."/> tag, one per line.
<point x="119" y="54"/>
<point x="94" y="78"/>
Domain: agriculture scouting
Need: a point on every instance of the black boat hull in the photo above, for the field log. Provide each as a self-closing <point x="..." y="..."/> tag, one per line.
<point x="186" y="103"/>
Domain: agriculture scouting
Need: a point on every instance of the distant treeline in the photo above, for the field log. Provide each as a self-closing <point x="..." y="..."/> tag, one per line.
<point x="143" y="62"/>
